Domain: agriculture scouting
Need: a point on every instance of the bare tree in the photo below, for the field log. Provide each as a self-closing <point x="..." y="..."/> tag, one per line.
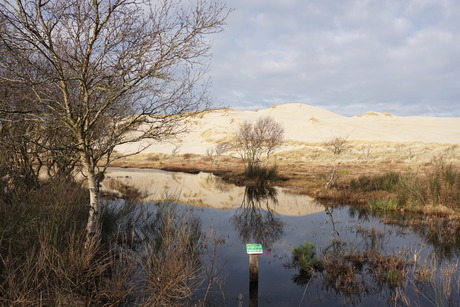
<point x="337" y="146"/>
<point x="254" y="142"/>
<point x="109" y="72"/>
<point x="19" y="139"/>
<point x="217" y="151"/>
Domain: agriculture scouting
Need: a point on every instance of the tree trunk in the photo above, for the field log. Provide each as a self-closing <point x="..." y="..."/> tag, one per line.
<point x="331" y="182"/>
<point x="92" y="226"/>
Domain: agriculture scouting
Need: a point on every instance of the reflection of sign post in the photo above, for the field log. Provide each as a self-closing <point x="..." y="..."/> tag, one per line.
<point x="253" y="250"/>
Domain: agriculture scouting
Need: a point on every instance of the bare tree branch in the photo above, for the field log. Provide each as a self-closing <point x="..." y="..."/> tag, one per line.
<point x="109" y="72"/>
<point x="254" y="142"/>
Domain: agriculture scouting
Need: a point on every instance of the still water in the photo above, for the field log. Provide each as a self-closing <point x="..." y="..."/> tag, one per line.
<point x="280" y="222"/>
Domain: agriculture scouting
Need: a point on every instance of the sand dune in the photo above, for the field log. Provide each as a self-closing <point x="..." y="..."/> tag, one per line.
<point x="308" y="124"/>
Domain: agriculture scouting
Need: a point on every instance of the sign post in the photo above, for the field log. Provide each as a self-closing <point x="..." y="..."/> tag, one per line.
<point x="254" y="250"/>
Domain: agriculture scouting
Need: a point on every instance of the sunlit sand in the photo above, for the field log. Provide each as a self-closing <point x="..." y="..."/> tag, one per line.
<point x="308" y="124"/>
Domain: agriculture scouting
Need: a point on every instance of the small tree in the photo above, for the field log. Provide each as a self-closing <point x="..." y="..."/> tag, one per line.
<point x="256" y="142"/>
<point x="337" y="146"/>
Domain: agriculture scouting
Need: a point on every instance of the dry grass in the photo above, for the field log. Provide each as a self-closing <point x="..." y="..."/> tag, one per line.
<point x="142" y="259"/>
<point x="361" y="152"/>
<point x="347" y="272"/>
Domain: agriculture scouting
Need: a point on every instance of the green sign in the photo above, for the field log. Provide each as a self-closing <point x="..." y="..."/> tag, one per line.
<point x="252" y="249"/>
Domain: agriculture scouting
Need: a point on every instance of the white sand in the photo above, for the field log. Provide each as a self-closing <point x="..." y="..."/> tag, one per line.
<point x="308" y="124"/>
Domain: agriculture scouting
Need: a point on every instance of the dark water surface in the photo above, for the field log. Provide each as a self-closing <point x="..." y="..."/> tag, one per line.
<point x="246" y="215"/>
<point x="276" y="280"/>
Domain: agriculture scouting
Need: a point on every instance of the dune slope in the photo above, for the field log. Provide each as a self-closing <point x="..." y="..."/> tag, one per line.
<point x="308" y="124"/>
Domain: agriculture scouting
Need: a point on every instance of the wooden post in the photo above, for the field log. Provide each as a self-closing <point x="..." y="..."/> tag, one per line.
<point x="253" y="267"/>
<point x="254" y="250"/>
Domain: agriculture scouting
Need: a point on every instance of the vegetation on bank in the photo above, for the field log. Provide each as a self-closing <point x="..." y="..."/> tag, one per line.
<point x="144" y="258"/>
<point x="431" y="189"/>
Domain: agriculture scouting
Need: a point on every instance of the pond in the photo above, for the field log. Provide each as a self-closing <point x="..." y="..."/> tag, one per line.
<point x="363" y="260"/>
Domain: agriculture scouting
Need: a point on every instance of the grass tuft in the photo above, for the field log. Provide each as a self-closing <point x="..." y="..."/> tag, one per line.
<point x="262" y="174"/>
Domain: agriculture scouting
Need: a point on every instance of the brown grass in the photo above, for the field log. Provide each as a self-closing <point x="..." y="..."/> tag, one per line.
<point x="43" y="261"/>
<point x="344" y="272"/>
<point x="304" y="176"/>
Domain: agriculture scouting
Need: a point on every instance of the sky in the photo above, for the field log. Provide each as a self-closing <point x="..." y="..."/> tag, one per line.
<point x="347" y="56"/>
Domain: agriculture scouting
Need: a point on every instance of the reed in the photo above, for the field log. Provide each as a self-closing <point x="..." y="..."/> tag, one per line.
<point x="143" y="258"/>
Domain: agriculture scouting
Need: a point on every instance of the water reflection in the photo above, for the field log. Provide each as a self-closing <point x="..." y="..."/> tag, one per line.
<point x="254" y="220"/>
<point x="362" y="257"/>
<point x="442" y="234"/>
<point x="204" y="190"/>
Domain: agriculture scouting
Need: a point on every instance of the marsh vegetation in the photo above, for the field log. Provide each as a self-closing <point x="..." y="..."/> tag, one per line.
<point x="170" y="254"/>
<point x="147" y="256"/>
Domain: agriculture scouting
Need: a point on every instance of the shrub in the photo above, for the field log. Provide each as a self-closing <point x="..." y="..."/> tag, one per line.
<point x="257" y="142"/>
<point x="304" y="256"/>
<point x="262" y="174"/>
<point x="440" y="186"/>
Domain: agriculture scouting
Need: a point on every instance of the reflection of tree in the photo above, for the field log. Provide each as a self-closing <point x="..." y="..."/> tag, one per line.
<point x="329" y="211"/>
<point x="212" y="182"/>
<point x="254" y="220"/>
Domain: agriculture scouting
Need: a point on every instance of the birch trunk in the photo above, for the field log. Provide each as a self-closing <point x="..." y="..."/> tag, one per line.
<point x="92" y="226"/>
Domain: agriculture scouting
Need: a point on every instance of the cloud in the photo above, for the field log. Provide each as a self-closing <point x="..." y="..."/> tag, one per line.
<point x="352" y="55"/>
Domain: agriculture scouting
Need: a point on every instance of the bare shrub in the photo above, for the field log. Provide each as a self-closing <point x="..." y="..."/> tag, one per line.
<point x="257" y="142"/>
<point x="217" y="151"/>
<point x="337" y="146"/>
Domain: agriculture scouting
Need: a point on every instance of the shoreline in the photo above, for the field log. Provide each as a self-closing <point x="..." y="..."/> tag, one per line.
<point x="304" y="178"/>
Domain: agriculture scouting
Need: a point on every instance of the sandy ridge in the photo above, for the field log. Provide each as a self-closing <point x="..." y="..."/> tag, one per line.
<point x="309" y="124"/>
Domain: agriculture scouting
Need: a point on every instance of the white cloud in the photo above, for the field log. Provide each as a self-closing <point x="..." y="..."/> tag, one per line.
<point x="351" y="56"/>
